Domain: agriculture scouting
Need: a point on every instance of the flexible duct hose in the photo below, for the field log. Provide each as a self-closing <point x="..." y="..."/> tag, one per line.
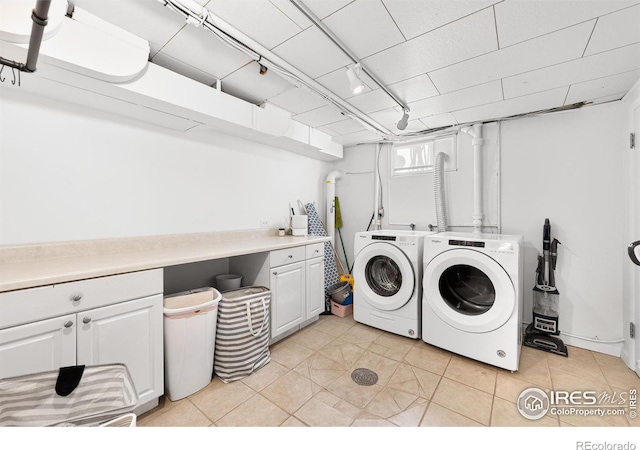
<point x="438" y="188"/>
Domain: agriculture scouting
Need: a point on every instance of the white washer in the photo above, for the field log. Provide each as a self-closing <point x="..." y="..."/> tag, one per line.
<point x="472" y="296"/>
<point x="387" y="276"/>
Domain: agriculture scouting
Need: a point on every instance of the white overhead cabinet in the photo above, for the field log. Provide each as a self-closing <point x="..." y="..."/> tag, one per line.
<point x="297" y="288"/>
<point x="116" y="319"/>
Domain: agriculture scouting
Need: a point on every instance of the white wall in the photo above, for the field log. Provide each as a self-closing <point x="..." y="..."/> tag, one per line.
<point x="71" y="173"/>
<point x="566" y="167"/>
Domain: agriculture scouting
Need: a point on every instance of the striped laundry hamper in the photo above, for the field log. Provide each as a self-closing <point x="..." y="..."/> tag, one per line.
<point x="72" y="396"/>
<point x="242" y="336"/>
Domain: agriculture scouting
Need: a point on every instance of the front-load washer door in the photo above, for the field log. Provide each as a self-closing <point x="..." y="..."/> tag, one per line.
<point x="385" y="276"/>
<point x="468" y="290"/>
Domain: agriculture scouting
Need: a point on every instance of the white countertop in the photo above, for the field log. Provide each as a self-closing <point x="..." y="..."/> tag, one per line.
<point x="25" y="266"/>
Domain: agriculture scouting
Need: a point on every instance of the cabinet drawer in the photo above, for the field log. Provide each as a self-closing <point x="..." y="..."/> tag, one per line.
<point x="315" y="250"/>
<point x="29" y="305"/>
<point x="286" y="256"/>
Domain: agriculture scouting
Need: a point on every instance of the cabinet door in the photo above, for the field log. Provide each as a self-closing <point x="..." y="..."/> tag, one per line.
<point x="129" y="333"/>
<point x="315" y="287"/>
<point x="38" y="347"/>
<point x="287" y="285"/>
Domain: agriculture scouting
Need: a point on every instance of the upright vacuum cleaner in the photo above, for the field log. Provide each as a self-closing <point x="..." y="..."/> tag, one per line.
<point x="543" y="332"/>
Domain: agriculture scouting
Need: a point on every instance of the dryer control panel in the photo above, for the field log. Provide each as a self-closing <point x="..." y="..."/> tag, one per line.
<point x="492" y="247"/>
<point x="399" y="240"/>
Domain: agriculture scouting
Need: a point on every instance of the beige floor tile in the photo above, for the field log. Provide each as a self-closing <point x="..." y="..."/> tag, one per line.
<point x="622" y="379"/>
<point x="289" y="354"/>
<point x="535" y="372"/>
<point x="327" y="397"/>
<point x="438" y="416"/>
<point x="348" y="409"/>
<point x="255" y="412"/>
<point x="505" y="414"/>
<point x="575" y="382"/>
<point x="320" y="369"/>
<point x="343" y="352"/>
<point x="384" y="367"/>
<point x="609" y="362"/>
<point x="164" y="404"/>
<point x="218" y="400"/>
<point x="390" y="402"/>
<point x="311" y="338"/>
<point x="392" y="346"/>
<point x="412" y="416"/>
<point x="289" y="392"/>
<point x="345" y="388"/>
<point x="372" y="423"/>
<point x="292" y="422"/>
<point x="464" y="400"/>
<point x="361" y="334"/>
<point x="579" y="361"/>
<point x="427" y="357"/>
<point x="333" y="325"/>
<point x="509" y="387"/>
<point x="414" y="381"/>
<point x="318" y="414"/>
<point x="472" y="373"/>
<point x="183" y="415"/>
<point x="266" y="375"/>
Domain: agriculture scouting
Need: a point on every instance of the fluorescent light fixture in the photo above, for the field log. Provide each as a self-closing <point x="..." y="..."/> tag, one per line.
<point x="356" y="86"/>
<point x="402" y="124"/>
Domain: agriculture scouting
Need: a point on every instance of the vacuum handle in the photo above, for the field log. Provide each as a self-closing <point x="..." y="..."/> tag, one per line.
<point x="632" y="253"/>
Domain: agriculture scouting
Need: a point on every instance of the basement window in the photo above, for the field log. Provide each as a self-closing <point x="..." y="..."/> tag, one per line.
<point x="419" y="157"/>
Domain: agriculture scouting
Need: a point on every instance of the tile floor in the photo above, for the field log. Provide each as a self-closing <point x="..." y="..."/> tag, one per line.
<point x="308" y="384"/>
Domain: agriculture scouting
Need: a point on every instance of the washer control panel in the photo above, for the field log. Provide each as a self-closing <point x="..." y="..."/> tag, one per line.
<point x="490" y="246"/>
<point x="399" y="240"/>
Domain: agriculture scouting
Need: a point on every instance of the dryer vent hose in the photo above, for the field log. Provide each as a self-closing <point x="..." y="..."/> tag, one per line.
<point x="438" y="188"/>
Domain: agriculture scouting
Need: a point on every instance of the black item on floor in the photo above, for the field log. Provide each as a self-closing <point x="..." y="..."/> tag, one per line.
<point x="544" y="341"/>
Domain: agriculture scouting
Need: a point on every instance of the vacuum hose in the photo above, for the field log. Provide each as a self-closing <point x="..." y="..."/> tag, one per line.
<point x="438" y="187"/>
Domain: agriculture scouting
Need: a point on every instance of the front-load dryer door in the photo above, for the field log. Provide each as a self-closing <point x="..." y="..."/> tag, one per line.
<point x="468" y="290"/>
<point x="384" y="275"/>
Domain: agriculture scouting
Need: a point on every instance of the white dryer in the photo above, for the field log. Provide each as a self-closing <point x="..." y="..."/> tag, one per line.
<point x="472" y="296"/>
<point x="387" y="275"/>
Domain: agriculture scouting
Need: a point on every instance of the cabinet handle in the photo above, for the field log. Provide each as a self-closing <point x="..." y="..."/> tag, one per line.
<point x="317" y="251"/>
<point x="68" y="324"/>
<point x="275" y="273"/>
<point x="75" y="297"/>
<point x="86" y="320"/>
<point x="290" y="256"/>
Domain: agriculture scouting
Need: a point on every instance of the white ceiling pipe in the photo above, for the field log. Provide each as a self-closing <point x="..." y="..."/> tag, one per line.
<point x="200" y="16"/>
<point x="330" y="209"/>
<point x="477" y="141"/>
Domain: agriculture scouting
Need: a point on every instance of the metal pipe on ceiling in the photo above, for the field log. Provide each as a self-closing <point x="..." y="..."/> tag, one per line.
<point x="39" y="16"/>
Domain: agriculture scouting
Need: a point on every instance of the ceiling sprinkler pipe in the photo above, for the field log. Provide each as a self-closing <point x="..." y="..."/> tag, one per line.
<point x="477" y="141"/>
<point x="330" y="209"/>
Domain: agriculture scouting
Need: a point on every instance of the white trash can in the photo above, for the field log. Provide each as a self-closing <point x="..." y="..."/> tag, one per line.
<point x="190" y="320"/>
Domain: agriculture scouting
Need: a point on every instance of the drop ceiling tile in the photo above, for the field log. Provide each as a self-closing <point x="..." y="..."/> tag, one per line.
<point x="387" y="116"/>
<point x="147" y="19"/>
<point x="320" y="116"/>
<point x="374" y="30"/>
<point x="372" y="101"/>
<point x="439" y="120"/>
<point x="599" y="65"/>
<point x="344" y="127"/>
<point x="338" y="83"/>
<point x="357" y="138"/>
<point x="464" y="98"/>
<point x="297" y="100"/>
<point x="247" y="84"/>
<point x="615" y="30"/>
<point x="414" y="89"/>
<point x="602" y="87"/>
<point x="416" y="17"/>
<point x="521" y="105"/>
<point x="518" y="21"/>
<point x="261" y="20"/>
<point x="202" y="49"/>
<point x="312" y="53"/>
<point x="452" y="43"/>
<point x="608" y="98"/>
<point x="323" y="8"/>
<point x="188" y="71"/>
<point x="293" y="13"/>
<point x="554" y="48"/>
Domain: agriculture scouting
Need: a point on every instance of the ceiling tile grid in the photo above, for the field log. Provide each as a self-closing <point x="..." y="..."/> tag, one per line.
<point x="451" y="62"/>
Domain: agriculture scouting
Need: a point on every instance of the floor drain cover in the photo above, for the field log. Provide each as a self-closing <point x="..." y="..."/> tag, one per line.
<point x="364" y="377"/>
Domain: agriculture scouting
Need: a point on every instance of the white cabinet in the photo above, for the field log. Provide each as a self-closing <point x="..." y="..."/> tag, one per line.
<point x="115" y="319"/>
<point x="297" y="288"/>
